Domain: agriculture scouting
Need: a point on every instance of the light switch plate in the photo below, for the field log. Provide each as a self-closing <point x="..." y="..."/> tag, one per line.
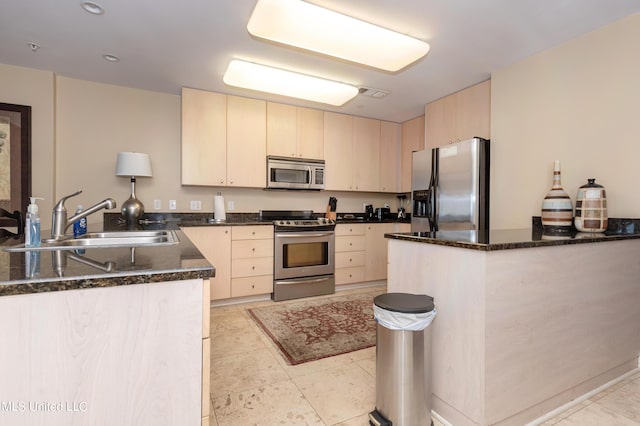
<point x="173" y="205"/>
<point x="230" y="205"/>
<point x="196" y="205"/>
<point x="157" y="204"/>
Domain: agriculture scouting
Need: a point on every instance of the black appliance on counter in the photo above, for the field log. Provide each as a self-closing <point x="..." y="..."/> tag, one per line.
<point x="303" y="254"/>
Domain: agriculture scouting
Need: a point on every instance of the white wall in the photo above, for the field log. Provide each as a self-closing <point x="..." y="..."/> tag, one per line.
<point x="578" y="103"/>
<point x="25" y="86"/>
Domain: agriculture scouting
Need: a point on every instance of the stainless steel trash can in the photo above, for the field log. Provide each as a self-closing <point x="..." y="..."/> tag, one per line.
<point x="403" y="359"/>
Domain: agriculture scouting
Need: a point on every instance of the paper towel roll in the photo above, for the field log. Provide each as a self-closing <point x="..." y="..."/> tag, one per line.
<point x="218" y="207"/>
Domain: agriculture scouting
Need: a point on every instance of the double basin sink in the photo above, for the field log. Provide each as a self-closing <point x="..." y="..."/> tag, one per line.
<point x="106" y="240"/>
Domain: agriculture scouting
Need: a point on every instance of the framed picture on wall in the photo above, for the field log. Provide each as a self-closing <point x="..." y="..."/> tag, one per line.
<point x="15" y="159"/>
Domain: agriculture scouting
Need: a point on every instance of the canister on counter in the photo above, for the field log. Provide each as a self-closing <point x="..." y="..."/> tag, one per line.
<point x="591" y="208"/>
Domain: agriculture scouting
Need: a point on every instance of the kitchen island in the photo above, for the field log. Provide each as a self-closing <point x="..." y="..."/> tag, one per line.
<point x="104" y="335"/>
<point x="526" y="322"/>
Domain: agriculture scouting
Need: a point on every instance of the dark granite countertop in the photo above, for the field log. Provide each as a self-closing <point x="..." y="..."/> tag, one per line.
<point x="506" y="239"/>
<point x="44" y="271"/>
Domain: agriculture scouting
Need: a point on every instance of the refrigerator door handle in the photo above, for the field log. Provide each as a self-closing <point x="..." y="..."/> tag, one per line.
<point x="433" y="185"/>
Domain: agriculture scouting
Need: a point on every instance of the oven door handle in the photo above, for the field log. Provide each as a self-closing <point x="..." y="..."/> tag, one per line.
<point x="304" y="234"/>
<point x="305" y="281"/>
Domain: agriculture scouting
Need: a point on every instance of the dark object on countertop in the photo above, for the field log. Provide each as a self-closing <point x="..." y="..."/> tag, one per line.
<point x="383" y="213"/>
<point x="331" y="208"/>
<point x="333" y="203"/>
<point x="19" y="222"/>
<point x="368" y="210"/>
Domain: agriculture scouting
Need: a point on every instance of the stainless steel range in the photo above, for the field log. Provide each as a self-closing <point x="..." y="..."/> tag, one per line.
<point x="304" y="254"/>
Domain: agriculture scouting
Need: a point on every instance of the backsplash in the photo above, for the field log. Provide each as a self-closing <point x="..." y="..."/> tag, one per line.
<point x="616" y="226"/>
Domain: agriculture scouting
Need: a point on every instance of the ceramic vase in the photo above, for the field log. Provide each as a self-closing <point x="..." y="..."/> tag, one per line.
<point x="591" y="208"/>
<point x="557" y="209"/>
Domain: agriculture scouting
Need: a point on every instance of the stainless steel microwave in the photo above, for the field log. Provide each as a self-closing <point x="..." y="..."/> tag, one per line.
<point x="294" y="173"/>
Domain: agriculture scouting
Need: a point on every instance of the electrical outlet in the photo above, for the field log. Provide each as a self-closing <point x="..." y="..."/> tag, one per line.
<point x="173" y="205"/>
<point x="196" y="205"/>
<point x="157" y="204"/>
<point x="230" y="205"/>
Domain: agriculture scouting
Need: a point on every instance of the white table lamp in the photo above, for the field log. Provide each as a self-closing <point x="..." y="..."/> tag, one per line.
<point x="133" y="164"/>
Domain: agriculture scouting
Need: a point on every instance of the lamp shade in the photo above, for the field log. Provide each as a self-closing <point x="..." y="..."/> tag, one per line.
<point x="133" y="164"/>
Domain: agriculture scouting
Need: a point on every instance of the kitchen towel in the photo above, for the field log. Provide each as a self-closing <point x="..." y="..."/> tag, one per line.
<point x="218" y="207"/>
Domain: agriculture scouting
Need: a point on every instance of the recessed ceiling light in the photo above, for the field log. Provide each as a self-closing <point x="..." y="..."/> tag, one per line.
<point x="111" y="58"/>
<point x="262" y="78"/>
<point x="93" y="8"/>
<point x="310" y="27"/>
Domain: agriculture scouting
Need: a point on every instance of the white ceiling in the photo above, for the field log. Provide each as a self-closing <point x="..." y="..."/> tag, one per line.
<point x="166" y="44"/>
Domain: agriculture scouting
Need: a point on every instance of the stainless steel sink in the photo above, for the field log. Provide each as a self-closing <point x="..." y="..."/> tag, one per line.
<point x="105" y="240"/>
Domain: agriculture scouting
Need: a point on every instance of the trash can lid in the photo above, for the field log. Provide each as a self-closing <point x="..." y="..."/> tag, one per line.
<point x="405" y="302"/>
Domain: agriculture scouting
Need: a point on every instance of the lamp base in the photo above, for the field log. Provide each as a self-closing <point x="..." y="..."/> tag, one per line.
<point x="132" y="210"/>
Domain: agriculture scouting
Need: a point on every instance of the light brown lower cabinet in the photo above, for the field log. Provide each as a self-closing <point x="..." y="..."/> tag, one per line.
<point x="206" y="351"/>
<point x="214" y="242"/>
<point x="251" y="260"/>
<point x="350" y="253"/>
<point x="105" y="355"/>
<point x="376" y="250"/>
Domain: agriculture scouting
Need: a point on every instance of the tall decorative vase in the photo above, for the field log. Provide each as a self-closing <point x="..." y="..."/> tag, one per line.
<point x="557" y="209"/>
<point x="591" y="208"/>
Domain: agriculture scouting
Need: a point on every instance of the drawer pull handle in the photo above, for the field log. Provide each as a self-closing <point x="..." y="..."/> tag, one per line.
<point x="253" y="267"/>
<point x="350" y="260"/>
<point x="253" y="286"/>
<point x="253" y="249"/>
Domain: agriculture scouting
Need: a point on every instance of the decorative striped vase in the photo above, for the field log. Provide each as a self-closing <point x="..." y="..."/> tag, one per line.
<point x="557" y="209"/>
<point x="591" y="208"/>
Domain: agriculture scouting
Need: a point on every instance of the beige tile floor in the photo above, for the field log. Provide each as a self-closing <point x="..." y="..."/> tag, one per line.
<point x="251" y="383"/>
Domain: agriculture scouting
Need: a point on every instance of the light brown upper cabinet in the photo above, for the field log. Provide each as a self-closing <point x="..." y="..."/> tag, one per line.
<point x="390" y="148"/>
<point x="366" y="154"/>
<point x="459" y="116"/>
<point x="361" y="154"/>
<point x="246" y="142"/>
<point x="412" y="140"/>
<point x="223" y="140"/>
<point x="338" y="151"/>
<point x="294" y="131"/>
<point x="204" y="138"/>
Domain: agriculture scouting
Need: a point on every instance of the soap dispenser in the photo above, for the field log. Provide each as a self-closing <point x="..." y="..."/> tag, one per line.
<point x="32" y="224"/>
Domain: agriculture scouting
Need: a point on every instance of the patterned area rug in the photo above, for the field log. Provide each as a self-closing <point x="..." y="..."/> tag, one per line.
<point x="309" y="330"/>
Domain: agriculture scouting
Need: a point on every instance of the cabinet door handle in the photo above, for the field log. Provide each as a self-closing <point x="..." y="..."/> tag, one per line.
<point x="253" y="267"/>
<point x="253" y="249"/>
<point x="350" y="260"/>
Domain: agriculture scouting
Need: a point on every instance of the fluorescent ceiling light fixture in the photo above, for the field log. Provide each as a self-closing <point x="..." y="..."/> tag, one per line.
<point x="307" y="26"/>
<point x="262" y="78"/>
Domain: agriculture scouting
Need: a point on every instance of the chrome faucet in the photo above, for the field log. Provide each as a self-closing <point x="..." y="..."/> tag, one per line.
<point x="59" y="221"/>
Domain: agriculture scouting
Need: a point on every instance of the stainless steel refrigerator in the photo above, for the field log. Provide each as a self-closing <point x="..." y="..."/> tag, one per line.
<point x="450" y="188"/>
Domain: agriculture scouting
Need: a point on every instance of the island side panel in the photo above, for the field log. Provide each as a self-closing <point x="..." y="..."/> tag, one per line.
<point x="455" y="278"/>
<point x="561" y="321"/>
<point x="119" y="355"/>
